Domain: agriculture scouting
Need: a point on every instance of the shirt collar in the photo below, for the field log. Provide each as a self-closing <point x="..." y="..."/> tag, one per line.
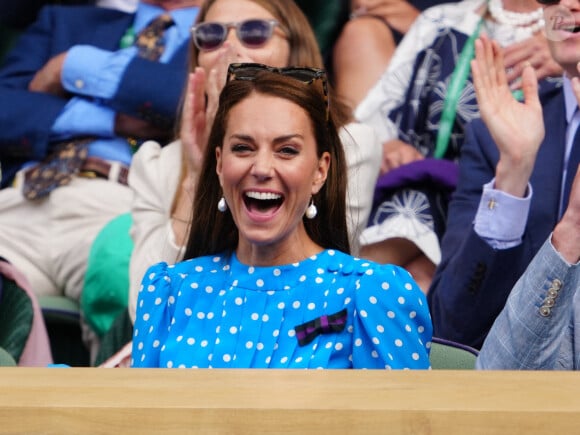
<point x="183" y="18"/>
<point x="570" y="102"/>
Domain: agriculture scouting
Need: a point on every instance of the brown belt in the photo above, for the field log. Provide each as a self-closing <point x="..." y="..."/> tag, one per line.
<point x="103" y="169"/>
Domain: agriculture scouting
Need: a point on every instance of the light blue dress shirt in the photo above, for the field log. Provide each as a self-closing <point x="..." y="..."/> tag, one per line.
<point x="501" y="218"/>
<point x="101" y="71"/>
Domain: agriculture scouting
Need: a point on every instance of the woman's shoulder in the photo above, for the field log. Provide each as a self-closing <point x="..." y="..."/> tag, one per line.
<point x="361" y="266"/>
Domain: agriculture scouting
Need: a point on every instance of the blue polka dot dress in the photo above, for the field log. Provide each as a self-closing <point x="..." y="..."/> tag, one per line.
<point x="330" y="310"/>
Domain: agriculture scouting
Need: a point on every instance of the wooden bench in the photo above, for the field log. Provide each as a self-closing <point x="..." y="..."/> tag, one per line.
<point x="92" y="400"/>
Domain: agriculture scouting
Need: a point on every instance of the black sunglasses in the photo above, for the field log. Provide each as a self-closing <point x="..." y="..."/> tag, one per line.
<point x="548" y="2"/>
<point x="248" y="71"/>
<point x="251" y="33"/>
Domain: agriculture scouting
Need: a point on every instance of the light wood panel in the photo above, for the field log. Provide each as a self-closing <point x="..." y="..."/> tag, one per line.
<point x="90" y="400"/>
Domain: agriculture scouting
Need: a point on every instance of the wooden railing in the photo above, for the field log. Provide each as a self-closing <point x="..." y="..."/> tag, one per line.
<point x="119" y="401"/>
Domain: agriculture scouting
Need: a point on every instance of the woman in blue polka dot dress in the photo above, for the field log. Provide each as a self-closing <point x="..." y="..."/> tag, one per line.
<point x="267" y="282"/>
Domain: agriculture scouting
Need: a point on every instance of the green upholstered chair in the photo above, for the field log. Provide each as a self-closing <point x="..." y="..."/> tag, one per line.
<point x="62" y="319"/>
<point x="327" y="19"/>
<point x="6" y="359"/>
<point x="448" y="355"/>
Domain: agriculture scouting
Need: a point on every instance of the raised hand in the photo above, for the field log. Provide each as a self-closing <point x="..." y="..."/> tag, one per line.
<point x="566" y="236"/>
<point x="194" y="126"/>
<point x="533" y="51"/>
<point x="516" y="127"/>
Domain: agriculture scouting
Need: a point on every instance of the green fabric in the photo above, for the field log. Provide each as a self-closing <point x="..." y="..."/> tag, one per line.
<point x="16" y="315"/>
<point x="445" y="357"/>
<point x="106" y="289"/>
<point x="120" y="333"/>
<point x="326" y="18"/>
<point x="6" y="359"/>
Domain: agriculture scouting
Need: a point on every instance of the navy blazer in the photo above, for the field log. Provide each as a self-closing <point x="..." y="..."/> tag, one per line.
<point x="473" y="280"/>
<point x="149" y="90"/>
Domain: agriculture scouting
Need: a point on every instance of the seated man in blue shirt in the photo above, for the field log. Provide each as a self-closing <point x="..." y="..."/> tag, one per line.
<point x="76" y="78"/>
<point x="511" y="190"/>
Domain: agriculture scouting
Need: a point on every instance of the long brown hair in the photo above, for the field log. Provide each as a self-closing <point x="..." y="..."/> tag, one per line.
<point x="213" y="231"/>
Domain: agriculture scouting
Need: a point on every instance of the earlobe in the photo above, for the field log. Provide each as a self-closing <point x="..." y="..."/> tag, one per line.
<point x="322" y="173"/>
<point x="218" y="166"/>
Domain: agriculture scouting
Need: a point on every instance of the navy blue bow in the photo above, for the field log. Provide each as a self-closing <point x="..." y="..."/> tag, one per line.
<point x="308" y="331"/>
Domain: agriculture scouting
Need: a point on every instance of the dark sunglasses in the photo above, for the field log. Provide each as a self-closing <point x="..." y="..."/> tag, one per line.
<point x="248" y="71"/>
<point x="548" y="2"/>
<point x="251" y="33"/>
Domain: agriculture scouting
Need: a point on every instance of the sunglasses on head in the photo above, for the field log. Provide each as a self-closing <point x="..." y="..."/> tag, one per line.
<point x="248" y="71"/>
<point x="251" y="33"/>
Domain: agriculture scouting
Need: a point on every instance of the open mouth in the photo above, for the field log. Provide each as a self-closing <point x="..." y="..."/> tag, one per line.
<point x="263" y="202"/>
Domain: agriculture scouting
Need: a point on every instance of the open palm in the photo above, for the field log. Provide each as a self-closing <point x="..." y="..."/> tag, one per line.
<point x="516" y="127"/>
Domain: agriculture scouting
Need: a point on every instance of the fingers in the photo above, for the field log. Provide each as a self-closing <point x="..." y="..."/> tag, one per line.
<point x="530" y="86"/>
<point x="479" y="72"/>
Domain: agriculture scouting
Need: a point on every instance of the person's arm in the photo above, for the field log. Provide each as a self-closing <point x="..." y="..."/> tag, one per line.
<point x="474" y="278"/>
<point x="154" y="181"/>
<point x="534" y="330"/>
<point x="35" y="112"/>
<point x="392" y="327"/>
<point x="363" y="157"/>
<point x="154" y="314"/>
<point x="399" y="14"/>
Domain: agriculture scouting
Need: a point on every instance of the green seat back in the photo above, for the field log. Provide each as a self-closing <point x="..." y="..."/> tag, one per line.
<point x="446" y="355"/>
<point x="106" y="290"/>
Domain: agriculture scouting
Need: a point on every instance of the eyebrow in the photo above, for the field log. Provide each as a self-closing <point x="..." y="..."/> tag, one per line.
<point x="278" y="139"/>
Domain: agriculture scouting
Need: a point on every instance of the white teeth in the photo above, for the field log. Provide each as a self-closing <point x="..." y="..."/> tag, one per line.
<point x="263" y="195"/>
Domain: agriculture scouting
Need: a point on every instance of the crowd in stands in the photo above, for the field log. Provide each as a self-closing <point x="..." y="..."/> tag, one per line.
<point x="450" y="205"/>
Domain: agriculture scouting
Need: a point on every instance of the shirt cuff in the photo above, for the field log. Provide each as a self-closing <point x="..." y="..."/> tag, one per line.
<point x="86" y="118"/>
<point x="91" y="71"/>
<point x="501" y="218"/>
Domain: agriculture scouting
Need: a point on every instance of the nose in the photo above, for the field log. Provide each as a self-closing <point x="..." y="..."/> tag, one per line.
<point x="263" y="166"/>
<point x="232" y="37"/>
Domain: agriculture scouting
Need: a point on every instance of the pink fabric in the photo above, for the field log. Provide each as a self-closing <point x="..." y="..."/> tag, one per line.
<point x="36" y="351"/>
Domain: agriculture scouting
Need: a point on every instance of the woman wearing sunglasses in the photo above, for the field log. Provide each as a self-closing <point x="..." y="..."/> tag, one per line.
<point x="267" y="281"/>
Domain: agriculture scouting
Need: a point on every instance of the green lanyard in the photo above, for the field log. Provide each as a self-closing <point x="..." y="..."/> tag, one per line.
<point x="456" y="85"/>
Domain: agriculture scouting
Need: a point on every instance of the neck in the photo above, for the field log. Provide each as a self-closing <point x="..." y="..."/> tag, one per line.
<point x="291" y="250"/>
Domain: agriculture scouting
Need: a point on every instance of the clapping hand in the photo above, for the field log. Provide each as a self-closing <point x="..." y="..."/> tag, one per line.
<point x="533" y="51"/>
<point x="516" y="127"/>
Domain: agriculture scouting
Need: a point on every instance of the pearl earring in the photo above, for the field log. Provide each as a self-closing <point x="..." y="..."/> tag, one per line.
<point x="222" y="205"/>
<point x="311" y="211"/>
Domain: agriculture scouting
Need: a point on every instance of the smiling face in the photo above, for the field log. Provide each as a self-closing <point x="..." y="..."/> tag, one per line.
<point x="269" y="169"/>
<point x="275" y="52"/>
<point x="563" y="34"/>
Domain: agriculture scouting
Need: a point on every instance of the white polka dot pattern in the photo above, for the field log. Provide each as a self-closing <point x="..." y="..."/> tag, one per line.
<point x="216" y="312"/>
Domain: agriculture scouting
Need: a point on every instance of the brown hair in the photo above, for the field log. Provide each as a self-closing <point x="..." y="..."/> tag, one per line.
<point x="212" y="231"/>
<point x="304" y="49"/>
